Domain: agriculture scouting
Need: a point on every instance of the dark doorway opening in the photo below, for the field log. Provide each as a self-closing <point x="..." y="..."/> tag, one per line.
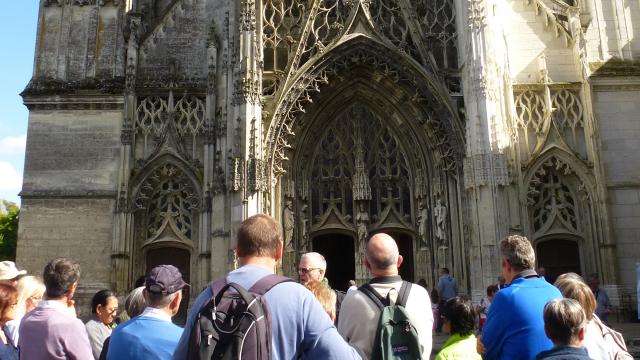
<point x="558" y="256"/>
<point x="405" y="247"/>
<point x="339" y="251"/>
<point x="180" y="259"/>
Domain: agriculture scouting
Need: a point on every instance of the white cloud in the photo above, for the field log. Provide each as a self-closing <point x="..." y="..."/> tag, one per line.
<point x="13" y="144"/>
<point x="10" y="179"/>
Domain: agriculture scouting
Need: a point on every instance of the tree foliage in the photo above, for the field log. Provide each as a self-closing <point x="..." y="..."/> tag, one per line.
<point x="9" y="233"/>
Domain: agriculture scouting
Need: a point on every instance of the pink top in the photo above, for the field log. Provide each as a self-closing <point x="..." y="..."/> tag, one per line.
<point x="51" y="332"/>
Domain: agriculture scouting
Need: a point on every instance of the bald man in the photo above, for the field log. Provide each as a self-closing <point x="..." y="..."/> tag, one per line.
<point x="359" y="315"/>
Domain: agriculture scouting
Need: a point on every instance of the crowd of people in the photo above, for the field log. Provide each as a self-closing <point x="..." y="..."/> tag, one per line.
<point x="522" y="317"/>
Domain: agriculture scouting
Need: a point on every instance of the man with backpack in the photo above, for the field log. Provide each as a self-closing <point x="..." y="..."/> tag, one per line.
<point x="400" y="309"/>
<point x="292" y="325"/>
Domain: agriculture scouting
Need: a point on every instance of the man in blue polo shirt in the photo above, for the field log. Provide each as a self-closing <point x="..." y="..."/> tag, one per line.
<point x="152" y="335"/>
<point x="515" y="324"/>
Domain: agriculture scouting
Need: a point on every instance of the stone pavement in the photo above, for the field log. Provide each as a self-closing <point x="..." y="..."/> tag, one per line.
<point x="630" y="331"/>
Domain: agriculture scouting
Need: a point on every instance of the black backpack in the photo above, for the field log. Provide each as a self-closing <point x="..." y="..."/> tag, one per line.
<point x="235" y="323"/>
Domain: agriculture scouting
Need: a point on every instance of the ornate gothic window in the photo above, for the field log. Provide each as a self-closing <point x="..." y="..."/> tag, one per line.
<point x="359" y="139"/>
<point x="552" y="198"/>
<point x="568" y="118"/>
<point x="530" y="116"/>
<point x="153" y="115"/>
<point x="167" y="198"/>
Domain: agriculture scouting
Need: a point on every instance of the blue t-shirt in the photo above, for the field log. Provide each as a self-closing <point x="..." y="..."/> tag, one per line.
<point x="299" y="325"/>
<point x="144" y="338"/>
<point x="515" y="325"/>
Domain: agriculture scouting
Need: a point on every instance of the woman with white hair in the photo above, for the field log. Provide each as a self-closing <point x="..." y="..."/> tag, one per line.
<point x="30" y="291"/>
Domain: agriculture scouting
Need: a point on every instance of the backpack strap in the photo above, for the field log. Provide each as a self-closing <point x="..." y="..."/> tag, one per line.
<point x="403" y="294"/>
<point x="266" y="283"/>
<point x="217" y="285"/>
<point x="372" y="294"/>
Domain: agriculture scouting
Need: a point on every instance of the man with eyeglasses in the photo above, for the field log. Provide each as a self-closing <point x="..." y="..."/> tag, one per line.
<point x="312" y="267"/>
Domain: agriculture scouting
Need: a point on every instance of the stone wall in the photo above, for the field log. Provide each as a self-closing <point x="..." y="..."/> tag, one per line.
<point x="616" y="111"/>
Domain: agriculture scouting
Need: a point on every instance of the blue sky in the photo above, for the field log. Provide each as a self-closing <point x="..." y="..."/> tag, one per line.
<point x="18" y="21"/>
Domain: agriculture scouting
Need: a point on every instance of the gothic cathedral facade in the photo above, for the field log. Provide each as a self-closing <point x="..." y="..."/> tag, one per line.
<point x="156" y="126"/>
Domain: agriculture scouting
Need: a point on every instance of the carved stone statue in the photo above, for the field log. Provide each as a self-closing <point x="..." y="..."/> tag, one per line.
<point x="423" y="217"/>
<point x="304" y="221"/>
<point x="362" y="218"/>
<point x="289" y="222"/>
<point x="440" y="214"/>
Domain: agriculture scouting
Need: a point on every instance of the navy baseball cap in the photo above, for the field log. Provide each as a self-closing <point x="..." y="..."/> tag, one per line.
<point x="164" y="279"/>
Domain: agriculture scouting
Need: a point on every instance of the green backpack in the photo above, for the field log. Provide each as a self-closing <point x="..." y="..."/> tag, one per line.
<point x="396" y="336"/>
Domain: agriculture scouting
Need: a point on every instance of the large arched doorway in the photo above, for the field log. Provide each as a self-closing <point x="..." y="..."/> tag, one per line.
<point x="558" y="256"/>
<point x="339" y="251"/>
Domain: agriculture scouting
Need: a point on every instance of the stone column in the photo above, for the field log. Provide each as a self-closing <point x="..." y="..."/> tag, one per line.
<point x="485" y="165"/>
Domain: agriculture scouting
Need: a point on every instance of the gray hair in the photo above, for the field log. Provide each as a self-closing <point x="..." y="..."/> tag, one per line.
<point x="317" y="258"/>
<point x="518" y="251"/>
<point x="563" y="320"/>
<point x="134" y="303"/>
<point x="160" y="300"/>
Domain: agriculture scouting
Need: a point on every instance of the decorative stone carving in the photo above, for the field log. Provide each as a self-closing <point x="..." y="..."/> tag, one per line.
<point x="440" y="215"/>
<point x="288" y="222"/>
<point x="423" y="220"/>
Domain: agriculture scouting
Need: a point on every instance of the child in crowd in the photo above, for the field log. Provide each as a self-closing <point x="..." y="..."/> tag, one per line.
<point x="483" y="308"/>
<point x="326" y="297"/>
<point x="459" y="321"/>
<point x="564" y="325"/>
<point x="435" y="304"/>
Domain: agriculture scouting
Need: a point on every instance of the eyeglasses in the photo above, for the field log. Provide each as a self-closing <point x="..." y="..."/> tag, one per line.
<point x="302" y="271"/>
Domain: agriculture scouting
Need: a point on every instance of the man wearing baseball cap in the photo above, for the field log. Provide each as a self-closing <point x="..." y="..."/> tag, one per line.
<point x="10" y="273"/>
<point x="152" y="335"/>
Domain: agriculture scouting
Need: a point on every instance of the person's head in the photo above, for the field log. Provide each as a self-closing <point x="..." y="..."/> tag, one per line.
<point x="163" y="288"/>
<point x="571" y="275"/>
<point x="564" y="322"/>
<point x="104" y="305"/>
<point x="312" y="267"/>
<point x="575" y="289"/>
<point x="325" y="296"/>
<point x="382" y="257"/>
<point x="422" y="282"/>
<point x="30" y="292"/>
<point x="60" y="278"/>
<point x="459" y="316"/>
<point x="8" y="303"/>
<point x="541" y="271"/>
<point x="444" y="271"/>
<point x="9" y="273"/>
<point x="492" y="290"/>
<point x="135" y="303"/>
<point x="259" y="236"/>
<point x="517" y="255"/>
<point x="593" y="281"/>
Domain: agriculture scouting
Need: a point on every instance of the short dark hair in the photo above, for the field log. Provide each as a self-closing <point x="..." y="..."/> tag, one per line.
<point x="461" y="316"/>
<point x="259" y="235"/>
<point x="59" y="275"/>
<point x="563" y="319"/>
<point x="101" y="298"/>
<point x="445" y="270"/>
<point x="492" y="289"/>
